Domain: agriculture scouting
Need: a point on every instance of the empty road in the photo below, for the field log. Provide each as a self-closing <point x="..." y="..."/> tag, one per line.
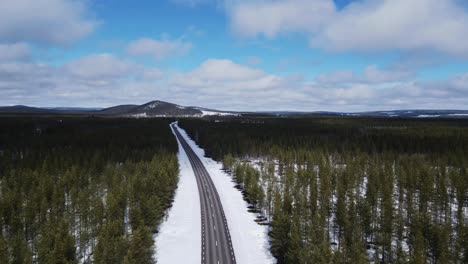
<point x="216" y="240"/>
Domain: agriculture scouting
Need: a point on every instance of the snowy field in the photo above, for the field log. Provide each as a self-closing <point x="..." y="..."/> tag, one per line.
<point x="179" y="238"/>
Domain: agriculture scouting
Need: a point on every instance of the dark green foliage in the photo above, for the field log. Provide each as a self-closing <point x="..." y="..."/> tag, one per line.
<point x="350" y="190"/>
<point x="112" y="245"/>
<point x="140" y="247"/>
<point x="280" y="233"/>
<point x="74" y="187"/>
<point x="56" y="244"/>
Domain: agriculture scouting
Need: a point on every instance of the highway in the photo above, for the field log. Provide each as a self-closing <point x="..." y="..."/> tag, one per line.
<point x="216" y="240"/>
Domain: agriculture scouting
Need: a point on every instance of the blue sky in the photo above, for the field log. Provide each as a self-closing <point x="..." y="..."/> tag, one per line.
<point x="339" y="55"/>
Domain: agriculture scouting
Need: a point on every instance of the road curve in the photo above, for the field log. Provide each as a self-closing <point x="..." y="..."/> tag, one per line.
<point x="216" y="240"/>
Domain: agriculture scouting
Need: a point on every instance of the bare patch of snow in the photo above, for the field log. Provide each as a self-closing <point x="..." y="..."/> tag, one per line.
<point x="153" y="105"/>
<point x="427" y="116"/>
<point x="213" y="113"/>
<point x="141" y="115"/>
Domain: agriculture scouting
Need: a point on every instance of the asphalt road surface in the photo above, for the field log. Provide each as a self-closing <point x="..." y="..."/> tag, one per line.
<point x="216" y="240"/>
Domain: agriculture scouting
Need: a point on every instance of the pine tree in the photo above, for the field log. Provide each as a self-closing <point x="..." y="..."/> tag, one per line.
<point x="111" y="246"/>
<point x="280" y="228"/>
<point x="228" y="161"/>
<point x="295" y="246"/>
<point x="20" y="253"/>
<point x="56" y="244"/>
<point x="140" y="248"/>
<point x="4" y="258"/>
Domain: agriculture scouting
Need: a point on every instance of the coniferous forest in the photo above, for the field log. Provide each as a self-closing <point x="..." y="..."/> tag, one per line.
<point x="350" y="190"/>
<point x="83" y="190"/>
<point x="331" y="190"/>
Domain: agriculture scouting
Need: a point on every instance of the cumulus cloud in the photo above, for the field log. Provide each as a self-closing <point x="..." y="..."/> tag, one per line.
<point x="99" y="66"/>
<point x="385" y="24"/>
<point x="54" y="22"/>
<point x="14" y="52"/>
<point x="221" y="70"/>
<point x="271" y="18"/>
<point x="94" y="80"/>
<point x="158" y="49"/>
<point x="371" y="75"/>
<point x="215" y="82"/>
<point x="219" y="83"/>
<point x="368" y="25"/>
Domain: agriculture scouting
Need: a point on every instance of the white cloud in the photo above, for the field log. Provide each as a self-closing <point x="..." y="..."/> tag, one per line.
<point x="371" y="75"/>
<point x="271" y="18"/>
<point x="57" y="22"/>
<point x="14" y="52"/>
<point x="94" y="80"/>
<point x="374" y="75"/>
<point x="99" y="66"/>
<point x="152" y="74"/>
<point x="106" y="80"/>
<point x="367" y="25"/>
<point x="353" y="93"/>
<point x="159" y="49"/>
<point x="222" y="70"/>
<point x="402" y="24"/>
<point x="224" y="84"/>
<point x="343" y="76"/>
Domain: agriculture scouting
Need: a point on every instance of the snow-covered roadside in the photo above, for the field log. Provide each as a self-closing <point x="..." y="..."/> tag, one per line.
<point x="250" y="240"/>
<point x="179" y="237"/>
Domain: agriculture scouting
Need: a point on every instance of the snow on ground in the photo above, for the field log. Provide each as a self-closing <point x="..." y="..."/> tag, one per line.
<point x="179" y="237"/>
<point x="427" y="116"/>
<point x="153" y="105"/>
<point x="141" y="115"/>
<point x="212" y="113"/>
<point x="250" y="240"/>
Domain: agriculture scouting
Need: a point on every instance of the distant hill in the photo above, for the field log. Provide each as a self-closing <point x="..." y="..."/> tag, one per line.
<point x="152" y="109"/>
<point x="22" y="109"/>
<point x="395" y="113"/>
<point x="418" y="113"/>
<point x="161" y="109"/>
<point x="165" y="109"/>
<point x="117" y="110"/>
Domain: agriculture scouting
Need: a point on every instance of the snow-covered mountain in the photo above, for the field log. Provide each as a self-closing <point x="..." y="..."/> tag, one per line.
<point x="162" y="109"/>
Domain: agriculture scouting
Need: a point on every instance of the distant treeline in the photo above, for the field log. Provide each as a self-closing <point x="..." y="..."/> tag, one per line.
<point x="350" y="190"/>
<point x="435" y="137"/>
<point x="83" y="189"/>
